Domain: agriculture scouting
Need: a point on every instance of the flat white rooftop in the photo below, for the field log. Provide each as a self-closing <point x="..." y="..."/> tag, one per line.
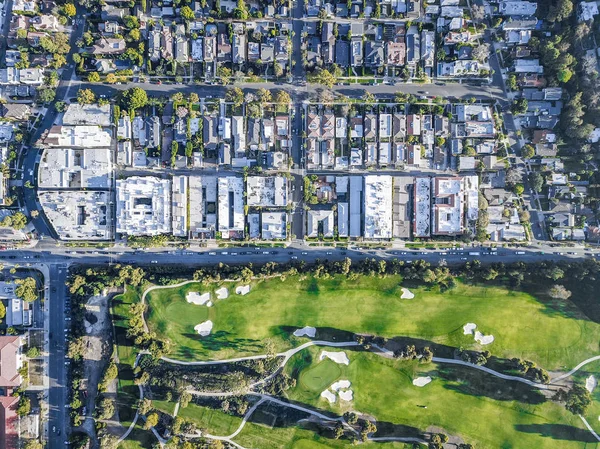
<point x="378" y="207"/>
<point x="76" y="168"/>
<point x="78" y="215"/>
<point x="266" y="191"/>
<point x="89" y="114"/>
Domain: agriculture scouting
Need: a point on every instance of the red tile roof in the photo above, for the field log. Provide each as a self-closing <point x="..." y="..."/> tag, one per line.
<point x="9" y="437"/>
<point x="9" y="361"/>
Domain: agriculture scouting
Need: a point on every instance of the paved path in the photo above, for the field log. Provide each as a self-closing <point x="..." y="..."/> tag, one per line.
<point x="587" y="424"/>
<point x="577" y="368"/>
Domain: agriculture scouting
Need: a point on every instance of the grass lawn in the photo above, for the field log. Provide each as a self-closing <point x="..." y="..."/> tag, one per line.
<point x="593" y="412"/>
<point x="138" y="439"/>
<point x="554" y="336"/>
<point x="483" y="410"/>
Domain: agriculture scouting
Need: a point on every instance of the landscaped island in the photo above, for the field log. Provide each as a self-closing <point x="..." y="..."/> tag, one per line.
<point x="395" y="357"/>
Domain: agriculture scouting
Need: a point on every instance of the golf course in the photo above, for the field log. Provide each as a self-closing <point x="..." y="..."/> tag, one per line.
<point x="554" y="335"/>
<point x="313" y="328"/>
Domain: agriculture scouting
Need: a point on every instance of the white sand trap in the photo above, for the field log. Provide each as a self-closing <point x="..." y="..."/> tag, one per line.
<point x="407" y="294"/>
<point x="421" y="381"/>
<point x="308" y="331"/>
<point x="340" y="385"/>
<point x="591" y="383"/>
<point x="198" y="299"/>
<point x="222" y="293"/>
<point x="346" y="395"/>
<point x="204" y="328"/>
<point x="329" y="396"/>
<point x="337" y="357"/>
<point x="242" y="290"/>
<point x="483" y="339"/>
<point x="469" y="328"/>
<point x="209" y="304"/>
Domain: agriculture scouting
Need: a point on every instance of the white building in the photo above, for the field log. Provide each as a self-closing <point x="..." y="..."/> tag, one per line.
<point x="231" y="207"/>
<point x="76" y="168"/>
<point x="144" y="206"/>
<point x="378" y="207"/>
<point x="274" y="225"/>
<point x="78" y="215"/>
<point x="203" y="197"/>
<point x="87" y="114"/>
<point x="266" y="191"/>
<point x="422" y="207"/>
<point x="85" y="136"/>
<point x="180" y="205"/>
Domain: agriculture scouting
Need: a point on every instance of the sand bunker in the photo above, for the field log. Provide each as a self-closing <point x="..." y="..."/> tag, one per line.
<point x="329" y="396"/>
<point x="340" y="388"/>
<point x="591" y="383"/>
<point x="242" y="290"/>
<point x="483" y="339"/>
<point x="469" y="328"/>
<point x="337" y="357"/>
<point x="346" y="395"/>
<point x="421" y="381"/>
<point x="306" y="331"/>
<point x="198" y="299"/>
<point x="340" y="385"/>
<point x="222" y="293"/>
<point x="407" y="294"/>
<point x="204" y="328"/>
<point x="209" y="304"/>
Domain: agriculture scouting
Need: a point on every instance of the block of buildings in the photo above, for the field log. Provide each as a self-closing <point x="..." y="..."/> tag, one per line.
<point x="143" y="206"/>
<point x="179" y="203"/>
<point x="377" y="207"/>
<point x="266" y="191"/>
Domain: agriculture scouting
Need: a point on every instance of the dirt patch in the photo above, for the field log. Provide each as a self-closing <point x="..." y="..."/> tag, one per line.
<point x="97" y="340"/>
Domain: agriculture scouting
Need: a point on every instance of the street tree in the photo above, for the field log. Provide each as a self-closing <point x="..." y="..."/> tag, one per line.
<point x="134" y="98"/>
<point x="235" y="96"/>
<point x="94" y="77"/>
<point x="528" y="151"/>
<point x="69" y="9"/>
<point x="86" y="96"/>
<point x="151" y="420"/>
<point x="283" y="97"/>
<point x="187" y="13"/>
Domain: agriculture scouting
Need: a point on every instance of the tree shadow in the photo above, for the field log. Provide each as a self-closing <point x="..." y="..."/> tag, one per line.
<point x="558" y="432"/>
<point x="218" y="341"/>
<point x="473" y="382"/>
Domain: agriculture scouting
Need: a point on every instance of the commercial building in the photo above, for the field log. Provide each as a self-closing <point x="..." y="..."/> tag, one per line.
<point x="203" y="198"/>
<point x="273" y="225"/>
<point x="180" y="205"/>
<point x="76" y="168"/>
<point x="230" y="218"/>
<point x="266" y="191"/>
<point x="143" y="206"/>
<point x="78" y="215"/>
<point x="378" y="207"/>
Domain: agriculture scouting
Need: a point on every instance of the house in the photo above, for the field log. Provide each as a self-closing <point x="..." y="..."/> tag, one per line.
<point x="281" y="49"/>
<point x="528" y="66"/>
<point x="166" y="43"/>
<point x="370" y="127"/>
<point x="223" y="48"/>
<point x="154" y="45"/>
<point x="108" y="46"/>
<point x="15" y="111"/>
<point x="517" y="8"/>
<point x="9" y="422"/>
<point x="342" y="53"/>
<point x="239" y="48"/>
<point x="428" y="48"/>
<point x="374" y="55"/>
<point x="356" y="51"/>
<point x="413" y="124"/>
<point x="327" y="43"/>
<point x="10" y="362"/>
<point x="210" y="48"/>
<point x="396" y="53"/>
<point x="399" y="127"/>
<point x="182" y="53"/>
<point x="267" y="52"/>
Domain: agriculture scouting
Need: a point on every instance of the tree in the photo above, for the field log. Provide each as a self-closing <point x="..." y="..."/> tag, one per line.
<point x="58" y="60"/>
<point x="33" y="444"/>
<point x="69" y="9"/>
<point x="76" y="349"/>
<point x="134" y="98"/>
<point x="107" y="408"/>
<point x="46" y="94"/>
<point x="477" y="12"/>
<point x="560" y="11"/>
<point x="519" y="106"/>
<point x="85" y="96"/>
<point x="264" y="95"/>
<point x="528" y="151"/>
<point x="33" y="352"/>
<point x="283" y="97"/>
<point x="321" y="76"/>
<point x="224" y="73"/>
<point x="481" y="52"/>
<point x="151" y="421"/>
<point x="187" y="13"/>
<point x="519" y="189"/>
<point x="194" y="98"/>
<point x="277" y="69"/>
<point x="94" y="77"/>
<point x="185" y="399"/>
<point x="578" y="399"/>
<point x="24" y="406"/>
<point x="559" y="292"/>
<point x="145" y="406"/>
<point x="536" y="180"/>
<point x="111" y="78"/>
<point x="241" y="11"/>
<point x="235" y="96"/>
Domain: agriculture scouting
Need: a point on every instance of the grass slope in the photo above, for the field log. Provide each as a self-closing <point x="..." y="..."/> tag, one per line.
<point x="555" y="336"/>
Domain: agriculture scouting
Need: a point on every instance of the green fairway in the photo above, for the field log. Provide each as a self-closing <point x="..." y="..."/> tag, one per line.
<point x="482" y="409"/>
<point x="556" y="336"/>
